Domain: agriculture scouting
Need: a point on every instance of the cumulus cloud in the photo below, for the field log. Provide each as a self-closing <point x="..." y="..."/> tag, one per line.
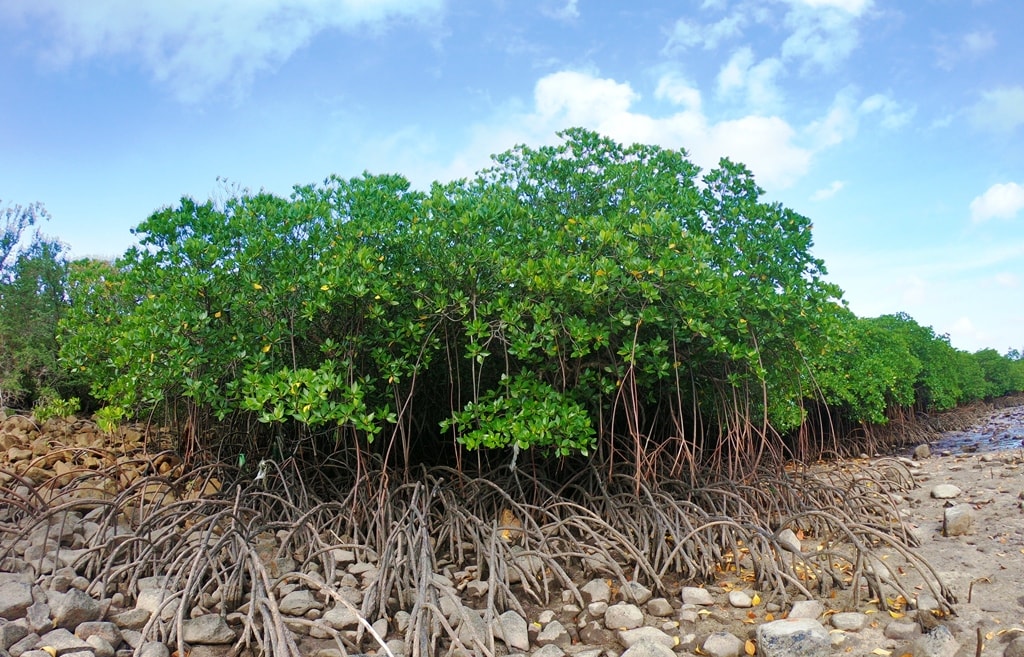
<point x="999" y="110"/>
<point x="854" y="7"/>
<point x="198" y="47"/>
<point x="687" y="33"/>
<point x="826" y="193"/>
<point x="823" y="32"/>
<point x="768" y="145"/>
<point x="1000" y="201"/>
<point x="969" y="46"/>
<point x="894" y="115"/>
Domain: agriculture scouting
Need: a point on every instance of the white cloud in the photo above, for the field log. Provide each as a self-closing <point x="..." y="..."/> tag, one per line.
<point x="979" y="42"/>
<point x="756" y="81"/>
<point x="999" y="110"/>
<point x="676" y="90"/>
<point x="1000" y="201"/>
<point x="854" y="7"/>
<point x="894" y="115"/>
<point x="824" y="32"/>
<point x="569" y="11"/>
<point x="687" y="33"/>
<point x="828" y="192"/>
<point x="198" y="47"/>
<point x="839" y="124"/>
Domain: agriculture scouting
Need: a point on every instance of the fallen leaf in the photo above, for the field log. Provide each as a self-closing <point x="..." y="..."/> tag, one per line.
<point x="896" y="614"/>
<point x="769" y="617"/>
<point x="749" y="647"/>
<point x="755" y="600"/>
<point x="881" y="651"/>
<point x="50" y="650"/>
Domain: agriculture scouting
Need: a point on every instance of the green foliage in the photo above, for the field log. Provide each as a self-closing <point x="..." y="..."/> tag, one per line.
<point x="581" y="290"/>
<point x="32" y="300"/>
<point x="1002" y="375"/>
<point x="50" y="404"/>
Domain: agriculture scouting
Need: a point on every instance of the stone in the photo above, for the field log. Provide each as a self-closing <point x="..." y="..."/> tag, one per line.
<point x="341" y="618"/>
<point x="945" y="491"/>
<point x="157" y="600"/>
<point x="597" y="609"/>
<point x="208" y="629"/>
<point x="922" y="452"/>
<point x="635" y="592"/>
<point x="297" y="603"/>
<point x="623" y="616"/>
<point x="849" y="621"/>
<point x="476" y="588"/>
<point x="722" y="644"/>
<point x="554" y="633"/>
<point x="1014" y="648"/>
<point x="660" y="608"/>
<point x="648" y="649"/>
<point x="38" y="617"/>
<point x="901" y="631"/>
<point x="596" y="590"/>
<point x="25" y="643"/>
<point x="595" y="634"/>
<point x="630" y="638"/>
<point x="11" y="633"/>
<point x="694" y="595"/>
<point x="957" y="520"/>
<point x="15" y="599"/>
<point x="63" y="641"/>
<point x="550" y="650"/>
<point x="131" y="619"/>
<point x="153" y="649"/>
<point x="472" y="631"/>
<point x="108" y="631"/>
<point x="788" y="541"/>
<point x="926" y="602"/>
<point x="740" y="599"/>
<point x="806" y="609"/>
<point x="796" y="637"/>
<point x="72" y="608"/>
<point x="101" y="647"/>
<point x="512" y="629"/>
<point x="938" y="642"/>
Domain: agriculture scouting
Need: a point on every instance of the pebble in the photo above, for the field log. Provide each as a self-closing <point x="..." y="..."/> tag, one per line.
<point x="693" y="595"/>
<point x="740" y="599"/>
<point x="945" y="491"/>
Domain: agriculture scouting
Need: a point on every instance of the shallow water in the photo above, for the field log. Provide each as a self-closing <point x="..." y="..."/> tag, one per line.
<point x="1003" y="430"/>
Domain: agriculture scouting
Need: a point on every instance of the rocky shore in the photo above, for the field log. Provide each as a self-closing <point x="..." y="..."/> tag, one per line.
<point x="967" y="512"/>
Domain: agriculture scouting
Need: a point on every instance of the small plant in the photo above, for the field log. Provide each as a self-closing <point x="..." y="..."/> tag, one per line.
<point x="50" y="405"/>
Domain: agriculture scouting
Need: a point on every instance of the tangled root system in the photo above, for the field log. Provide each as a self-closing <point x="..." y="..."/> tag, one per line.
<point x="228" y="542"/>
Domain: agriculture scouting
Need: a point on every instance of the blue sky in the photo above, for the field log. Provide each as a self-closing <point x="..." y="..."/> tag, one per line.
<point x="898" y="127"/>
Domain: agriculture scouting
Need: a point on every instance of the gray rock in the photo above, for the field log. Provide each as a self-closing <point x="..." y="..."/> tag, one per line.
<point x="596" y="590"/>
<point x="595" y="634"/>
<point x="554" y="633"/>
<point x="694" y="595"/>
<point x="131" y="619"/>
<point x="472" y="630"/>
<point x="476" y="588"/>
<point x="25" y="643"/>
<point x="623" y="616"/>
<point x="11" y="633"/>
<point x="38" y="617"/>
<point x="1015" y="648"/>
<point x="341" y="618"/>
<point x="72" y="608"/>
<point x="157" y="600"/>
<point x="722" y="644"/>
<point x="550" y="650"/>
<point x="901" y="631"/>
<point x="807" y="609"/>
<point x="396" y="646"/>
<point x="297" y="603"/>
<point x="153" y="649"/>
<point x="208" y="629"/>
<point x="513" y="630"/>
<point x="849" y="621"/>
<point x="797" y="637"/>
<point x="63" y="641"/>
<point x="926" y="602"/>
<point x="15" y="599"/>
<point x="740" y="599"/>
<point x="938" y="642"/>
<point x="108" y="631"/>
<point x="630" y="638"/>
<point x="789" y="541"/>
<point x="635" y="592"/>
<point x="648" y="649"/>
<point x="957" y="520"/>
<point x="660" y="608"/>
<point x="100" y="646"/>
<point x="922" y="452"/>
<point x="597" y="609"/>
<point x="945" y="491"/>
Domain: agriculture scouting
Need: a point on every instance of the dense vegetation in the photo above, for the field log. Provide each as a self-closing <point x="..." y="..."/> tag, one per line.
<point x="582" y="298"/>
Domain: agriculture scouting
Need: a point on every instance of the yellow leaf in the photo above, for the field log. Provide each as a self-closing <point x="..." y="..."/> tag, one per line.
<point x="896" y="614"/>
<point x="266" y="348"/>
<point x="49" y="650"/>
<point x="257" y="286"/>
<point x="217" y="314"/>
<point x="675" y="640"/>
<point x="990" y="636"/>
<point x="749" y="647"/>
<point x="755" y="600"/>
<point x="880" y="651"/>
<point x="769" y="617"/>
<point x="325" y="287"/>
